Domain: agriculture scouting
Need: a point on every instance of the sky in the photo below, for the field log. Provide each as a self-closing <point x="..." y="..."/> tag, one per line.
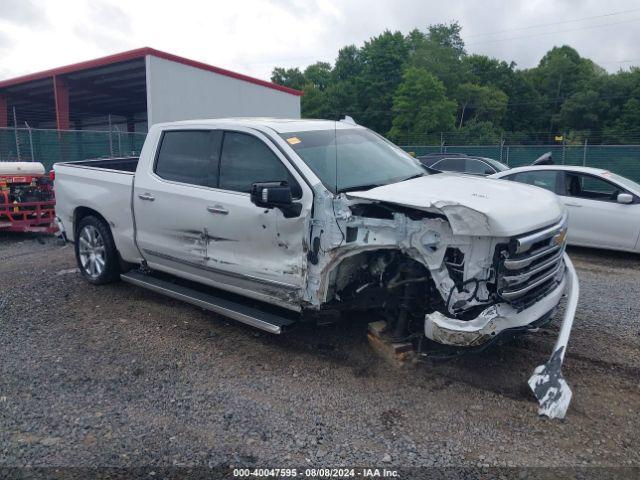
<point x="253" y="36"/>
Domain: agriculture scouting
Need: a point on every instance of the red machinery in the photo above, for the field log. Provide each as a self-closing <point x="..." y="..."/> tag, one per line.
<point x="27" y="202"/>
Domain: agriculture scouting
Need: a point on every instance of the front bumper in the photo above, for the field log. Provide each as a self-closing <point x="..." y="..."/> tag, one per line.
<point x="491" y="322"/>
<point x="547" y="383"/>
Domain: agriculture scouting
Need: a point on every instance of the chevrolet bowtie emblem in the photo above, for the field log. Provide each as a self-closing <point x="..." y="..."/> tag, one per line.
<point x="560" y="237"/>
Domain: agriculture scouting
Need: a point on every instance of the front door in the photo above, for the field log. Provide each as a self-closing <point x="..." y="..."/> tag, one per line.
<point x="254" y="247"/>
<point x="595" y="217"/>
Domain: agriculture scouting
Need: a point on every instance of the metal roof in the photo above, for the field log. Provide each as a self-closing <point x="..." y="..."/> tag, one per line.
<point x="140" y="53"/>
<point x="114" y="87"/>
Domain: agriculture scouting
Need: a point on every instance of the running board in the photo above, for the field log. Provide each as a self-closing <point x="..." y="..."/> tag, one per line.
<point x="269" y="322"/>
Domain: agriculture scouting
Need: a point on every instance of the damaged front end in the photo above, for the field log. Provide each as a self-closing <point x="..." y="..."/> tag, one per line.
<point x="440" y="279"/>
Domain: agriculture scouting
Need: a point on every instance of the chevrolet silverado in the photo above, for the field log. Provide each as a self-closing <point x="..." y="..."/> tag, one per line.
<point x="273" y="222"/>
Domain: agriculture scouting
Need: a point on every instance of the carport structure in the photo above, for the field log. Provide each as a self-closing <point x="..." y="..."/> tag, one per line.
<point x="79" y="96"/>
<point x="134" y="89"/>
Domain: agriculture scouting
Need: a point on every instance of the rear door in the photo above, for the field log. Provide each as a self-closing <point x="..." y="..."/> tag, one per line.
<point x="595" y="217"/>
<point x="169" y="200"/>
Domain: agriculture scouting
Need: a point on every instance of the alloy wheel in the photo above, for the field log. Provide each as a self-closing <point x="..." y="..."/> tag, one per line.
<point x="92" y="251"/>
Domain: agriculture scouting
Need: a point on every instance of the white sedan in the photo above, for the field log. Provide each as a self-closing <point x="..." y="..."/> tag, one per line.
<point x="604" y="208"/>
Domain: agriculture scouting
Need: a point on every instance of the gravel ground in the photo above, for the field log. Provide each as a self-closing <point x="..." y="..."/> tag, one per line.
<point x="119" y="376"/>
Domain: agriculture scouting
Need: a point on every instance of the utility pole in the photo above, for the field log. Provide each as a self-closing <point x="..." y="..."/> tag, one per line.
<point x="15" y="131"/>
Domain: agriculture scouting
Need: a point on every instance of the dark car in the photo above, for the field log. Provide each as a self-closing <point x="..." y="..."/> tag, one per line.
<point x="460" y="162"/>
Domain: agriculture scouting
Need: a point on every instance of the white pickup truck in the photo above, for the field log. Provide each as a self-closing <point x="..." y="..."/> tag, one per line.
<point x="273" y="222"/>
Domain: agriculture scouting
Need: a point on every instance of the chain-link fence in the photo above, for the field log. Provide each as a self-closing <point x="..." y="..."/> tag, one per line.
<point x="621" y="159"/>
<point x="51" y="146"/>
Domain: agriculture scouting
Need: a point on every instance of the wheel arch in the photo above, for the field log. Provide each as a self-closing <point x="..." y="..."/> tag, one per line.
<point x="361" y="257"/>
<point x="81" y="212"/>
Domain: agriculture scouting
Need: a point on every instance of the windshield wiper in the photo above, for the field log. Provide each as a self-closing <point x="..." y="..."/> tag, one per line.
<point x="374" y="185"/>
<point x="417" y="175"/>
<point x="355" y="188"/>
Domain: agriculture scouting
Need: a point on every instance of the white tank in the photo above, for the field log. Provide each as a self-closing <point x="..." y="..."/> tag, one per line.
<point x="21" y="168"/>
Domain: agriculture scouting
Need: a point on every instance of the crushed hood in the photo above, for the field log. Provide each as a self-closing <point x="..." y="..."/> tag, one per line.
<point x="473" y="205"/>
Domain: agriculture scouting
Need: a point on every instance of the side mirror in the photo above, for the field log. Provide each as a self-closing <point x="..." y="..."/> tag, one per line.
<point x="624" y="198"/>
<point x="275" y="195"/>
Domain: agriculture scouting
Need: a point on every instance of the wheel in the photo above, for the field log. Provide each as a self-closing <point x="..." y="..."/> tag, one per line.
<point x="96" y="252"/>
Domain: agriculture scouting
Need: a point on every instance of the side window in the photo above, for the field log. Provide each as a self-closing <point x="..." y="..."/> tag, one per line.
<point x="246" y="159"/>
<point x="477" y="167"/>
<point x="450" y="165"/>
<point x="189" y="156"/>
<point x="590" y="187"/>
<point x="546" y="179"/>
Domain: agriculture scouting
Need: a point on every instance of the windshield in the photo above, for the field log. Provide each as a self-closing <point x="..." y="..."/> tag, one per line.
<point x="353" y="159"/>
<point x="625" y="182"/>
<point x="499" y="166"/>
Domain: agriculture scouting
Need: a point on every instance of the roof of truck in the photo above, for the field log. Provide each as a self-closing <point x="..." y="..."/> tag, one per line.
<point x="280" y="125"/>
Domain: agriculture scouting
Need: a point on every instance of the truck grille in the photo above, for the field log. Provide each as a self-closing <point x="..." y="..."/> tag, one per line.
<point x="532" y="265"/>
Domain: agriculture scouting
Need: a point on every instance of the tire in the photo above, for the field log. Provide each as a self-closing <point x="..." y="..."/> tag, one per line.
<point x="96" y="253"/>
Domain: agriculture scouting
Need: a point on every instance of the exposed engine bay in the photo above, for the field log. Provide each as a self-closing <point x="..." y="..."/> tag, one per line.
<point x="403" y="261"/>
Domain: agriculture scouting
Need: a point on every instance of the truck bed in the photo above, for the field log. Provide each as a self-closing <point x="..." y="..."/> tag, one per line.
<point x="103" y="185"/>
<point x="123" y="164"/>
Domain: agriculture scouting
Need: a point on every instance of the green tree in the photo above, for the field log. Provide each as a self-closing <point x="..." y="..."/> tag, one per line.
<point x="318" y="75"/>
<point x="348" y="64"/>
<point x="421" y="106"/>
<point x="343" y="93"/>
<point x="440" y="52"/>
<point x="563" y="93"/>
<point x="288" y="77"/>
<point x="525" y="106"/>
<point x="561" y="73"/>
<point x="477" y="132"/>
<point x="481" y="103"/>
<point x="583" y="111"/>
<point x="627" y="128"/>
<point x="484" y="70"/>
<point x="315" y="104"/>
<point x="383" y="59"/>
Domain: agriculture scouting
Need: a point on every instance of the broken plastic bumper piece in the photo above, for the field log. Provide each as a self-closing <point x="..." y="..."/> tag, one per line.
<point x="547" y="383"/>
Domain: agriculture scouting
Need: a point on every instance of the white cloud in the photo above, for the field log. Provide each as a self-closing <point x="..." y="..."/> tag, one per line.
<point x="253" y="36"/>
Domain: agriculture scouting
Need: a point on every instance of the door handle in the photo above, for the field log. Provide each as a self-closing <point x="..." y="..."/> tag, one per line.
<point x="219" y="209"/>
<point x="146" y="196"/>
<point x="572" y="205"/>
